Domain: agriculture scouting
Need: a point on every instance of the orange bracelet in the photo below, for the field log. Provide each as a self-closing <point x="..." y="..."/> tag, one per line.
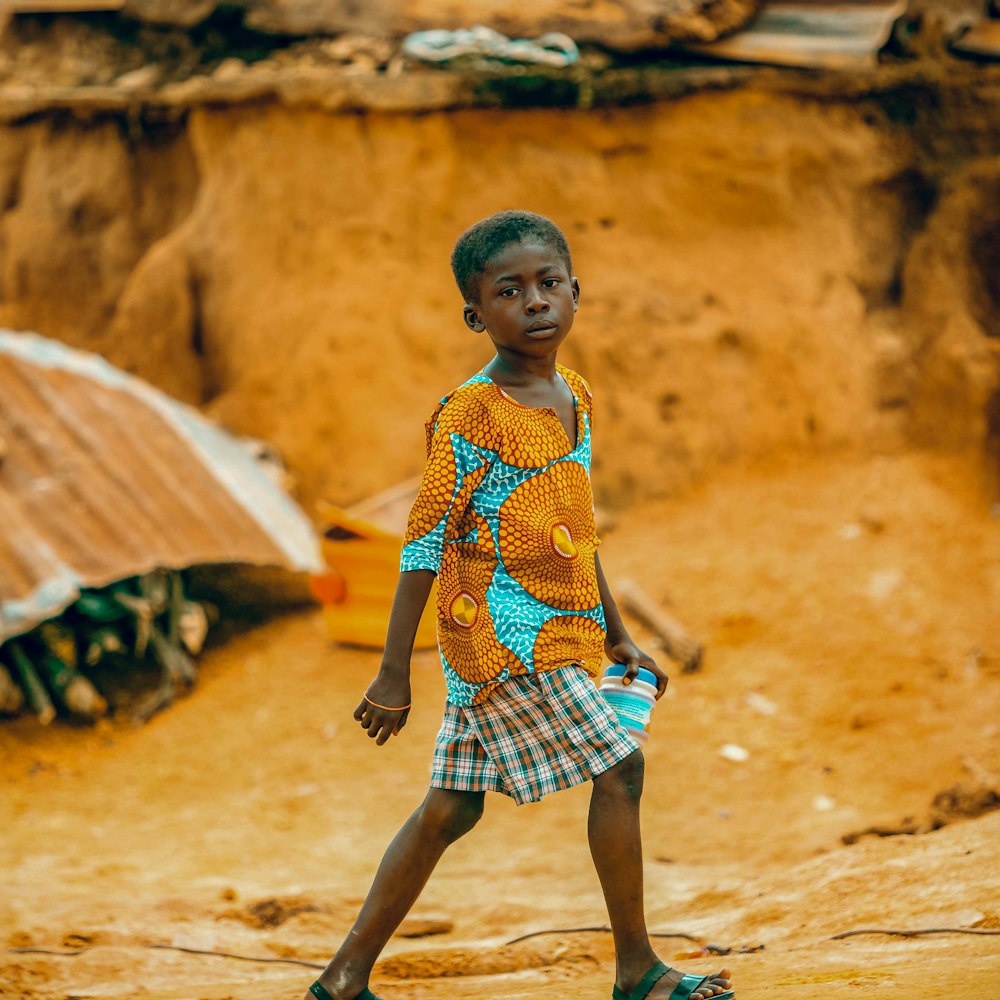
<point x="375" y="704"/>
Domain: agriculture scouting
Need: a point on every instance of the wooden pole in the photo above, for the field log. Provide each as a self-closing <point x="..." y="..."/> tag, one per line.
<point x="678" y="643"/>
<point x="11" y="696"/>
<point x="38" y="697"/>
<point x="57" y="665"/>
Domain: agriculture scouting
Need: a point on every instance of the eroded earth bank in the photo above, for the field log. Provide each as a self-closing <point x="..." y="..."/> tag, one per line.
<point x="789" y="317"/>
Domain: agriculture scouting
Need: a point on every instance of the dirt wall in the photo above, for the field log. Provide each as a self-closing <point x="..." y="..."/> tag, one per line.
<point x="760" y="271"/>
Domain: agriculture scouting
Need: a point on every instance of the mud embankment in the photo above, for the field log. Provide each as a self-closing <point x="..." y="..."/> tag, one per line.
<point x="764" y="267"/>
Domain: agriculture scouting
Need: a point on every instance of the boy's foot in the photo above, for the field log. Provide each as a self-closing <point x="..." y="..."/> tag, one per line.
<point x="666" y="981"/>
<point x="319" y="992"/>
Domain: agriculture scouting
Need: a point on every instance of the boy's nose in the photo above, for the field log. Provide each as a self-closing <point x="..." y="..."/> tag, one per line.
<point x="535" y="302"/>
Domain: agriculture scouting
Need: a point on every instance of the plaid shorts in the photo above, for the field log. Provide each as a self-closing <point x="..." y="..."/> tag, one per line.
<point x="535" y="734"/>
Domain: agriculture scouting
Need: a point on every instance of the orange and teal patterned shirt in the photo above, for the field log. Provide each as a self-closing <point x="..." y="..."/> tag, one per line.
<point x="505" y="518"/>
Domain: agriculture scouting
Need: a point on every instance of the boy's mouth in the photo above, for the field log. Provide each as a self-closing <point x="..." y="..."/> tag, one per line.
<point x="541" y="328"/>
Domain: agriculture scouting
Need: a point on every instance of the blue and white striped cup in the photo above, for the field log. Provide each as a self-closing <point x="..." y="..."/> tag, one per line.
<point x="632" y="703"/>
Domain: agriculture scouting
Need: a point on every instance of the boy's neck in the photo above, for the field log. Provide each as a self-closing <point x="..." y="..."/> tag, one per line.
<point x="519" y="370"/>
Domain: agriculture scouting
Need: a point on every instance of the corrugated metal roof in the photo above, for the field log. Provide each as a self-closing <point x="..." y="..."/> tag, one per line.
<point x="104" y="477"/>
<point x="812" y="34"/>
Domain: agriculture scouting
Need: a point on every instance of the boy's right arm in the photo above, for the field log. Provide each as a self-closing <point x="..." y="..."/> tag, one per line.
<point x="387" y="711"/>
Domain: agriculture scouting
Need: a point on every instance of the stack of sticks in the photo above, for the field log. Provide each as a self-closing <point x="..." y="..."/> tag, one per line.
<point x="55" y="668"/>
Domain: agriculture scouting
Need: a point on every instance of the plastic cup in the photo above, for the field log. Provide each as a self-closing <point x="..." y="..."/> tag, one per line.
<point x="633" y="703"/>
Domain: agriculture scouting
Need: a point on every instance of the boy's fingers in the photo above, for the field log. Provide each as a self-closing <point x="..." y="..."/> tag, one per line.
<point x="631" y="672"/>
<point x="378" y="723"/>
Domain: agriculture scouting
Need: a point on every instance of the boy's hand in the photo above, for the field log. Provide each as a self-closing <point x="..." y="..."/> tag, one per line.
<point x="384" y="709"/>
<point x="627" y="652"/>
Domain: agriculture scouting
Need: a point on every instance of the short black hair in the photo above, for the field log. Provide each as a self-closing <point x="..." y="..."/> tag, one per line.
<point x="480" y="243"/>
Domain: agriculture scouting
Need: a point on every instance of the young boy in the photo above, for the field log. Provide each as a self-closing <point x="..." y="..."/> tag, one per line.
<point x="505" y="521"/>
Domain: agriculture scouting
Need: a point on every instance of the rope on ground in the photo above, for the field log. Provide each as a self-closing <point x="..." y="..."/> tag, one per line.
<point x="916" y="933"/>
<point x="242" y="958"/>
<point x="46" y="951"/>
<point x="176" y="947"/>
<point x="714" y="949"/>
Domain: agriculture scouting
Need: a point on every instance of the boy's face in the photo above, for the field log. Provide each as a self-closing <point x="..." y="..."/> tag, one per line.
<point x="527" y="300"/>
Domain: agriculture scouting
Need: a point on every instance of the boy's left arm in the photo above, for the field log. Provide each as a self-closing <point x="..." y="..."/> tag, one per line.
<point x="618" y="644"/>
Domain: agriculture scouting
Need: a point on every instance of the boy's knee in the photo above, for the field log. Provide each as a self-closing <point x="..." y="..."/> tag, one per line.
<point x="625" y="778"/>
<point x="452" y="814"/>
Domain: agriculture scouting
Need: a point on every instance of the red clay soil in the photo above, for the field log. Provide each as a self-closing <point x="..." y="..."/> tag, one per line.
<point x="849" y="610"/>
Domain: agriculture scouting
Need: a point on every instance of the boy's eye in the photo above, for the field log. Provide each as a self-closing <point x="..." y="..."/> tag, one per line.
<point x="508" y="293"/>
<point x="550" y="282"/>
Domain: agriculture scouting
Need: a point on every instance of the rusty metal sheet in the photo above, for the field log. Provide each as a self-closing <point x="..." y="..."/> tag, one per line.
<point x="104" y="477"/>
<point x="820" y="35"/>
<point x="981" y="39"/>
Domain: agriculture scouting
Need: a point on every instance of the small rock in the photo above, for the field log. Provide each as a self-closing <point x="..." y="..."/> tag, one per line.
<point x="143" y="78"/>
<point x="882" y="584"/>
<point x="734" y="752"/>
<point x="823" y="803"/>
<point x="761" y="704"/>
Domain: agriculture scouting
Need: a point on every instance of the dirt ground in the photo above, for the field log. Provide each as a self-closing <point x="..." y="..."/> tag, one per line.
<point x="849" y="610"/>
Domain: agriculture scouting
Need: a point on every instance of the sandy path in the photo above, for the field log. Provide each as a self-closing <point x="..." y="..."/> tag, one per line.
<point x="860" y="598"/>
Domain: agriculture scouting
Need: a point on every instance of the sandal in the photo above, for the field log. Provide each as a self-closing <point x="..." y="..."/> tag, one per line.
<point x="681" y="991"/>
<point x="320" y="993"/>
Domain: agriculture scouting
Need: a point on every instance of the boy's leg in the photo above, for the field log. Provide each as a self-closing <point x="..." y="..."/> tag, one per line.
<point x="616" y="846"/>
<point x="441" y="819"/>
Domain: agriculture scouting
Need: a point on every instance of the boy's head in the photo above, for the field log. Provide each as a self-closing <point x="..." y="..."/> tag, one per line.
<point x="481" y="243"/>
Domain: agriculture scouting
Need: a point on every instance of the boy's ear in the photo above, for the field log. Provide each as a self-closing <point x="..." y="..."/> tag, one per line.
<point x="472" y="320"/>
<point x="575" y="285"/>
